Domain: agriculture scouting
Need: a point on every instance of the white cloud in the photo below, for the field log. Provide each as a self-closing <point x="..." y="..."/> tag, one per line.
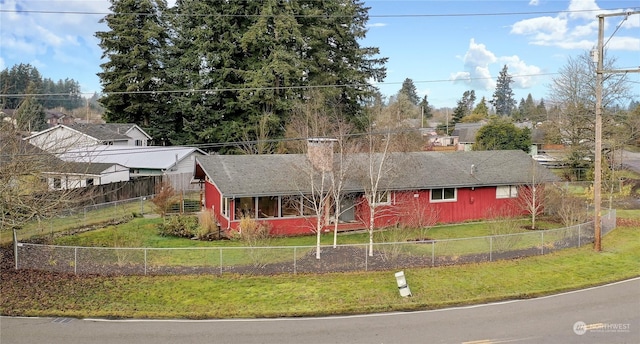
<point x="35" y="29"/>
<point x="577" y="28"/>
<point x="377" y="25"/>
<point x="524" y="76"/>
<point x="588" y="30"/>
<point x="534" y="3"/>
<point x="543" y="30"/>
<point x="476" y="67"/>
<point x="479" y="61"/>
<point x="624" y="43"/>
<point x="583" y="9"/>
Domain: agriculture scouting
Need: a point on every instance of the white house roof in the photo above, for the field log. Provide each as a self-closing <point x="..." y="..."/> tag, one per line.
<point x="142" y="157"/>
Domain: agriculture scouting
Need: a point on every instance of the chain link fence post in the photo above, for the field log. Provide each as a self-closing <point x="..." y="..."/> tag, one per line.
<point x="491" y="248"/>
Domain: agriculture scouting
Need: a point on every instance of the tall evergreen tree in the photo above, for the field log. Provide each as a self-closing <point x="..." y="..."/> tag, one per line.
<point x="273" y="45"/>
<point x="503" y="99"/>
<point x="409" y="89"/>
<point x="133" y="72"/>
<point x="540" y="112"/>
<point x="464" y="106"/>
<point x="29" y="115"/>
<point x="334" y="30"/>
<point x="425" y="108"/>
<point x="205" y="56"/>
<point x="482" y="109"/>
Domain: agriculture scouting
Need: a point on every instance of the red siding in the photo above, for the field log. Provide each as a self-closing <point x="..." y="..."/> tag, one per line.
<point x="411" y="208"/>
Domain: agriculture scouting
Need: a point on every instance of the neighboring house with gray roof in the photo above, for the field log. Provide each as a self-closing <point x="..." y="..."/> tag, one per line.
<point x="61" y="137"/>
<point x="53" y="118"/>
<point x="27" y="159"/>
<point x="71" y="175"/>
<point x="174" y="163"/>
<point x="466" y="134"/>
<point x="418" y="187"/>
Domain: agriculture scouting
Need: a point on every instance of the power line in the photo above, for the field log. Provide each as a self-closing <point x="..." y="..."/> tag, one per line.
<point x="415" y="15"/>
<point x="237" y="89"/>
<point x="98" y="150"/>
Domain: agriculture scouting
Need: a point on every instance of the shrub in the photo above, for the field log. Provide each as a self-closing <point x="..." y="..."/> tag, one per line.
<point x="208" y="229"/>
<point x="179" y="226"/>
<point x="251" y="232"/>
<point x="164" y="198"/>
<point x="254" y="235"/>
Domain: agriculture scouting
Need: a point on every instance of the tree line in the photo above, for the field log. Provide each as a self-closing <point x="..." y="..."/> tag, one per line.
<point x="25" y="79"/>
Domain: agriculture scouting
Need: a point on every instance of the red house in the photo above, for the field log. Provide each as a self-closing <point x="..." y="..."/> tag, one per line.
<point x="414" y="189"/>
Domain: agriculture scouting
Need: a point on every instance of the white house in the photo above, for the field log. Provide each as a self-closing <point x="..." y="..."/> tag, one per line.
<point x="174" y="163"/>
<point x="72" y="175"/>
<point x="61" y="137"/>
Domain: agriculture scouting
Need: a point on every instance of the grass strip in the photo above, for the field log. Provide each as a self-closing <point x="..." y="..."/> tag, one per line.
<point x="233" y="296"/>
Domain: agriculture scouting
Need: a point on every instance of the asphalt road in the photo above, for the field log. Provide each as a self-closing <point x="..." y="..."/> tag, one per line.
<point x="606" y="314"/>
<point x="630" y="160"/>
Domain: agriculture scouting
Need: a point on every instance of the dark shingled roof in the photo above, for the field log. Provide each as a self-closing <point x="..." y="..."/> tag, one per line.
<point x="85" y="168"/>
<point x="285" y="174"/>
<point x="104" y="131"/>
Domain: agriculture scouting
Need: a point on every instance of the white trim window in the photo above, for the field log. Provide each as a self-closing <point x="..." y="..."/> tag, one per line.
<point x="506" y="191"/>
<point x="444" y="195"/>
<point x="383" y="198"/>
<point x="225" y="207"/>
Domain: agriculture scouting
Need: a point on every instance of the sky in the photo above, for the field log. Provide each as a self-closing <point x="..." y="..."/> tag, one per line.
<point x="444" y="47"/>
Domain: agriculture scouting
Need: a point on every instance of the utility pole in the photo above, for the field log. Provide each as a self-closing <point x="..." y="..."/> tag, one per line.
<point x="597" y="181"/>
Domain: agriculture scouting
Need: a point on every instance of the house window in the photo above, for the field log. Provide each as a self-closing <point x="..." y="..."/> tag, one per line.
<point x="507" y="191"/>
<point x="308" y="206"/>
<point x="383" y="198"/>
<point x="89" y="181"/>
<point x="57" y="183"/>
<point x="225" y="207"/>
<point x="138" y="142"/>
<point x="291" y="206"/>
<point x="443" y="195"/>
<point x="268" y="207"/>
<point x="245" y="206"/>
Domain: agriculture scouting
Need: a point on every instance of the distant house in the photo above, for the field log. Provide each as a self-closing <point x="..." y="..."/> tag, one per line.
<point x="34" y="168"/>
<point x="73" y="175"/>
<point x="444" y="187"/>
<point x="174" y="163"/>
<point x="466" y="135"/>
<point x="53" y="118"/>
<point x="63" y="137"/>
<point x="435" y="142"/>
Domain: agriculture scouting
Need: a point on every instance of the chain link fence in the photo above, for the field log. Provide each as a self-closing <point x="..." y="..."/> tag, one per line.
<point x="302" y="259"/>
<point x="89" y="216"/>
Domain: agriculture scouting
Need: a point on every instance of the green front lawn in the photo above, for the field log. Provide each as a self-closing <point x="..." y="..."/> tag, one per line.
<point x="232" y="296"/>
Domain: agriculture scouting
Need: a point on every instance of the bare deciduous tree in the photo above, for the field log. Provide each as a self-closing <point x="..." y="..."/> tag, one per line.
<point x="25" y="194"/>
<point x="573" y="96"/>
<point x="531" y="197"/>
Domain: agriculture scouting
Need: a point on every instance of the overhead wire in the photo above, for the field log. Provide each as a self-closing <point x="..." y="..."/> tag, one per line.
<point x="236" y="89"/>
<point x="412" y="15"/>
